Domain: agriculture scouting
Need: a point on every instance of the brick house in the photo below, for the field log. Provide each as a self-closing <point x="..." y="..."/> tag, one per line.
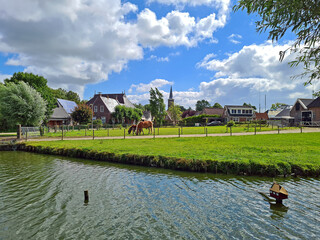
<point x="104" y="105"/>
<point x="238" y="113"/>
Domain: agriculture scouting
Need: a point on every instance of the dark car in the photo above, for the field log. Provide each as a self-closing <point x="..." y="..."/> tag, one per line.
<point x="214" y="123"/>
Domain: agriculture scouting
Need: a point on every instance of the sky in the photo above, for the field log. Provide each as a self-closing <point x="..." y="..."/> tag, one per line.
<point x="201" y="48"/>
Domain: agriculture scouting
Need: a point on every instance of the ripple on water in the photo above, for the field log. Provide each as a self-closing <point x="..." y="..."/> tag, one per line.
<point x="42" y="198"/>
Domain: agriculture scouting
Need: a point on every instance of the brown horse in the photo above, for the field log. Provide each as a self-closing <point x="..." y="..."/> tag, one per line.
<point x="144" y="124"/>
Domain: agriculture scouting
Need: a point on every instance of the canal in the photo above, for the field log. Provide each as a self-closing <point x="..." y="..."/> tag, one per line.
<point x="41" y="197"/>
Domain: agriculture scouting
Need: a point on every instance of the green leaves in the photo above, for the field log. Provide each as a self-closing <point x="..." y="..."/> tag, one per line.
<point x="157" y="106"/>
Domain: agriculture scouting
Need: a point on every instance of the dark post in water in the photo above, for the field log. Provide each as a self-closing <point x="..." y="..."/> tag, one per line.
<point x="86" y="196"/>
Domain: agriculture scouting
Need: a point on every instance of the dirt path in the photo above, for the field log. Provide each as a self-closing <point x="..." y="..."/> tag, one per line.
<point x="305" y="130"/>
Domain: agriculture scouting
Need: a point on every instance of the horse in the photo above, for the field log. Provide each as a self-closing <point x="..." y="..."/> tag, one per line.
<point x="132" y="129"/>
<point x="144" y="124"/>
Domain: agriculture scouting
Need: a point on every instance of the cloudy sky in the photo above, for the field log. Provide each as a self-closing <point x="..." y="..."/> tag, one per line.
<point x="199" y="47"/>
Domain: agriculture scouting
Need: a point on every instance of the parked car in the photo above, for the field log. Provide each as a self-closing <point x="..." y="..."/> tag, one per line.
<point x="214" y="123"/>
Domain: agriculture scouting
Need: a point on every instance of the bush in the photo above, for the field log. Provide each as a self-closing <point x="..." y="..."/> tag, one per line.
<point x="230" y="123"/>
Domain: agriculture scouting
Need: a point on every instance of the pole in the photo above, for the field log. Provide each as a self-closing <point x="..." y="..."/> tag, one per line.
<point x="108" y="132"/>
<point x="86" y="196"/>
<point x="92" y="134"/>
<point x="206" y="132"/>
<point x="300" y="129"/>
<point x="278" y="129"/>
<point x="179" y="132"/>
<point x="255" y="129"/>
<point x="230" y="130"/>
<point x="85" y="131"/>
<point x="154" y="133"/>
<point x="27" y="135"/>
<point x="124" y="134"/>
<point x="158" y="131"/>
<point x="62" y="133"/>
<point x="19" y="132"/>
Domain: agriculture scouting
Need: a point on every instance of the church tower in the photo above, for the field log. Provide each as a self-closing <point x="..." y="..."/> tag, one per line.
<point x="170" y="100"/>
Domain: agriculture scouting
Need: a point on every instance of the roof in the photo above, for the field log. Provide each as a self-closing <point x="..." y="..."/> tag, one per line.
<point x="284" y="114"/>
<point x="171" y="96"/>
<point x="277" y="188"/>
<point x="110" y="103"/>
<point x="212" y="111"/>
<point x="273" y="113"/>
<point x="314" y="103"/>
<point x="59" y="113"/>
<point x="69" y="106"/>
<point x="120" y="97"/>
<point x="305" y="102"/>
<point x="188" y="113"/>
<point x="237" y="106"/>
<point x="262" y="116"/>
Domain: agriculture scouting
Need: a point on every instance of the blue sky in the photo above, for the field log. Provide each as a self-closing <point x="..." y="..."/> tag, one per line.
<point x="200" y="47"/>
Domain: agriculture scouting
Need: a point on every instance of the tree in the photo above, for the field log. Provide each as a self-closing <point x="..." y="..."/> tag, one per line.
<point x="275" y="106"/>
<point x="39" y="83"/>
<point x="200" y="105"/>
<point x="126" y="114"/>
<point x="249" y="105"/>
<point x="182" y="108"/>
<point x="82" y="114"/>
<point x="63" y="94"/>
<point x="301" y="17"/>
<point x="21" y="104"/>
<point x="217" y="105"/>
<point x="175" y="113"/>
<point x="157" y="106"/>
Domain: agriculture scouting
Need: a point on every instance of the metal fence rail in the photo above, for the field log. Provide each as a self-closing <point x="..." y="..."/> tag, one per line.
<point x="29" y="132"/>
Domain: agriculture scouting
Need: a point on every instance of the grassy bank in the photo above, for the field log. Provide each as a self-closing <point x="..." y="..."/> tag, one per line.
<point x="161" y="131"/>
<point x="252" y="155"/>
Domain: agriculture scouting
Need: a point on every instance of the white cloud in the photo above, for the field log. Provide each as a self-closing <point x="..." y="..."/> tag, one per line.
<point x="4" y="76"/>
<point x="142" y="87"/>
<point x="233" y="38"/>
<point x="159" y="59"/>
<point x="74" y="42"/>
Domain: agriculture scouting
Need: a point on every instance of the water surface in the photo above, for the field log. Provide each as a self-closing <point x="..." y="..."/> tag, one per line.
<point x="41" y="197"/>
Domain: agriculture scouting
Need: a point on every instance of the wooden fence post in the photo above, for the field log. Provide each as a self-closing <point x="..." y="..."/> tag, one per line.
<point x="62" y="133"/>
<point x="93" y="134"/>
<point x="124" y="133"/>
<point x="230" y="130"/>
<point x="179" y="132"/>
<point x="278" y="129"/>
<point x="255" y="129"/>
<point x="19" y="132"/>
<point x="206" y="132"/>
<point x="108" y="132"/>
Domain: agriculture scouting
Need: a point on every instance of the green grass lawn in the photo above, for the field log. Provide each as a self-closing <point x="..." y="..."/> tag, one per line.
<point x="298" y="149"/>
<point x="160" y="131"/>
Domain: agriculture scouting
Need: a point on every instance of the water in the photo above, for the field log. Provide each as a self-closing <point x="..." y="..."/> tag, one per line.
<point x="41" y="197"/>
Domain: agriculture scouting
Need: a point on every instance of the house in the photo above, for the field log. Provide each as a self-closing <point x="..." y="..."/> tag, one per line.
<point x="62" y="113"/>
<point x="284" y="117"/>
<point x="314" y="107"/>
<point x="300" y="111"/>
<point x="213" y="111"/>
<point x="104" y="105"/>
<point x="238" y="113"/>
<point x="189" y="113"/>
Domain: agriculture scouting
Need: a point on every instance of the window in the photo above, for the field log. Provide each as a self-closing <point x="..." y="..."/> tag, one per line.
<point x="239" y="111"/>
<point x="94" y="118"/>
<point x="250" y="111"/>
<point x="233" y="111"/>
<point x="101" y="109"/>
<point x="297" y="106"/>
<point x="95" y="108"/>
<point x="236" y="119"/>
<point x="103" y="119"/>
<point x="243" y="111"/>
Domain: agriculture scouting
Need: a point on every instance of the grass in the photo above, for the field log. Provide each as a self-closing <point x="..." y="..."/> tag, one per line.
<point x="161" y="131"/>
<point x="287" y="150"/>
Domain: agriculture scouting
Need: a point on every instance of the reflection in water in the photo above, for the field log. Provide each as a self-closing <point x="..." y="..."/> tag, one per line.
<point x="42" y="197"/>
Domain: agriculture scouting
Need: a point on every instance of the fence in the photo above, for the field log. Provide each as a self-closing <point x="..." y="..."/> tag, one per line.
<point x="29" y="132"/>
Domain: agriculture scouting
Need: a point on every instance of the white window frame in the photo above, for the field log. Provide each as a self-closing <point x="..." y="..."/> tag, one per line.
<point x="101" y="108"/>
<point x="233" y="111"/>
<point x="236" y="119"/>
<point x="95" y="108"/>
<point x="239" y="111"/>
<point x="103" y="119"/>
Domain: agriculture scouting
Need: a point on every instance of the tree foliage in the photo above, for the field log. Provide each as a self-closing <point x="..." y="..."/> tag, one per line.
<point x="175" y="113"/>
<point x="39" y="83"/>
<point x="249" y="105"/>
<point x="301" y="17"/>
<point x="157" y="106"/>
<point x="275" y="106"/>
<point x="21" y="104"/>
<point x="200" y="105"/>
<point x="82" y="114"/>
<point x="217" y="105"/>
<point x="67" y="95"/>
<point x="127" y="114"/>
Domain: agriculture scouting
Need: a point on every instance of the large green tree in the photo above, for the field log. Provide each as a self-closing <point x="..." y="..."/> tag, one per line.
<point x="275" y="106"/>
<point x="301" y="17"/>
<point x="39" y="83"/>
<point x="157" y="106"/>
<point x="82" y="113"/>
<point x="68" y="95"/>
<point x="217" y="105"/>
<point x="200" y="105"/>
<point x="126" y="114"/>
<point x="175" y="113"/>
<point x="21" y="104"/>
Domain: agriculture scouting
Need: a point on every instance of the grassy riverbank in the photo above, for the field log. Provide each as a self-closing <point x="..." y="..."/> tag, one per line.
<point x="253" y="155"/>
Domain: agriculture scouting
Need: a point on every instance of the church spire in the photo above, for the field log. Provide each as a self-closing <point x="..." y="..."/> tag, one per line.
<point x="171" y="96"/>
